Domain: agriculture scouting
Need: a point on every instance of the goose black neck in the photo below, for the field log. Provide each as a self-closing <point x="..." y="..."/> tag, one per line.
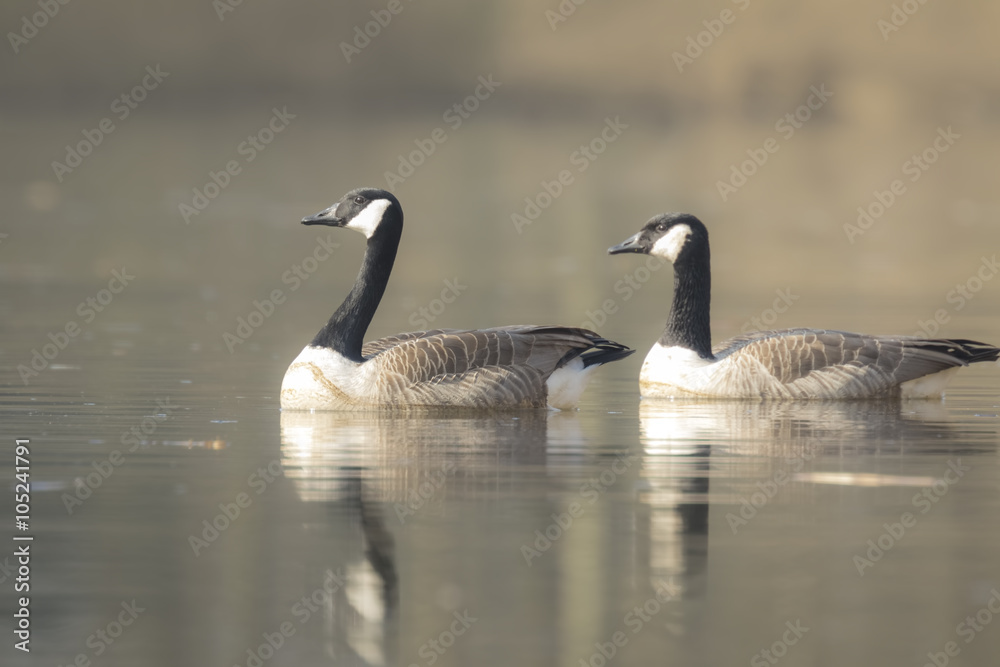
<point x="689" y="322"/>
<point x="345" y="332"/>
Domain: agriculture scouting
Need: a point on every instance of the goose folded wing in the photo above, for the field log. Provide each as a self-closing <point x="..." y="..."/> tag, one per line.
<point x="879" y="362"/>
<point x="373" y="347"/>
<point x="422" y="356"/>
<point x="522" y="386"/>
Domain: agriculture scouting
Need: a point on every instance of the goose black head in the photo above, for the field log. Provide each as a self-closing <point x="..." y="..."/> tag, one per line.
<point x="672" y="236"/>
<point x="366" y="210"/>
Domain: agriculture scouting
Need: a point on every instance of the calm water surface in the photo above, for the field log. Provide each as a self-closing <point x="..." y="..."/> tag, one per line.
<point x="690" y="533"/>
<point x="170" y="494"/>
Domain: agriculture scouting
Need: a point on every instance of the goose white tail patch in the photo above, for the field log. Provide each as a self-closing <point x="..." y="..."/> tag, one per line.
<point x="928" y="386"/>
<point x="368" y="220"/>
<point x="566" y="384"/>
<point x="670" y="244"/>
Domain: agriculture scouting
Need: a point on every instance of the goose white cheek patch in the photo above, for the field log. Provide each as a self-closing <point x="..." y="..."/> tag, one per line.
<point x="367" y="221"/>
<point x="669" y="245"/>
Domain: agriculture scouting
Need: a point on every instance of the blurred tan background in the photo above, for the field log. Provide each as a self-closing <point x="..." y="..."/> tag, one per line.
<point x="890" y="93"/>
<point x="608" y="70"/>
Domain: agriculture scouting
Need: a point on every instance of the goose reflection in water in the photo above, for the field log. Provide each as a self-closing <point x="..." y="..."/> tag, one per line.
<point x="426" y="513"/>
<point x="369" y="472"/>
<point x="783" y="445"/>
<point x="323" y="459"/>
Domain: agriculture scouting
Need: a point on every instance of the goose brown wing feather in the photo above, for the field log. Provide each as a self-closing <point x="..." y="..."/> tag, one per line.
<point x="424" y="355"/>
<point x="512" y="386"/>
<point x="373" y="347"/>
<point x="874" y="363"/>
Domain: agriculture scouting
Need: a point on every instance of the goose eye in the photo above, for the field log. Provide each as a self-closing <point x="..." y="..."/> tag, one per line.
<point x="662" y="227"/>
<point x="359" y="200"/>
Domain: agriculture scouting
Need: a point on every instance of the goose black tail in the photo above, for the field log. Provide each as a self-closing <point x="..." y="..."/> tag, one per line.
<point x="962" y="350"/>
<point x="974" y="351"/>
<point x="605" y="351"/>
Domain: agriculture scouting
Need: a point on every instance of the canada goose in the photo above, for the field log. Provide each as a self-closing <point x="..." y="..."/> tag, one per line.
<point x="503" y="367"/>
<point x="791" y="363"/>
